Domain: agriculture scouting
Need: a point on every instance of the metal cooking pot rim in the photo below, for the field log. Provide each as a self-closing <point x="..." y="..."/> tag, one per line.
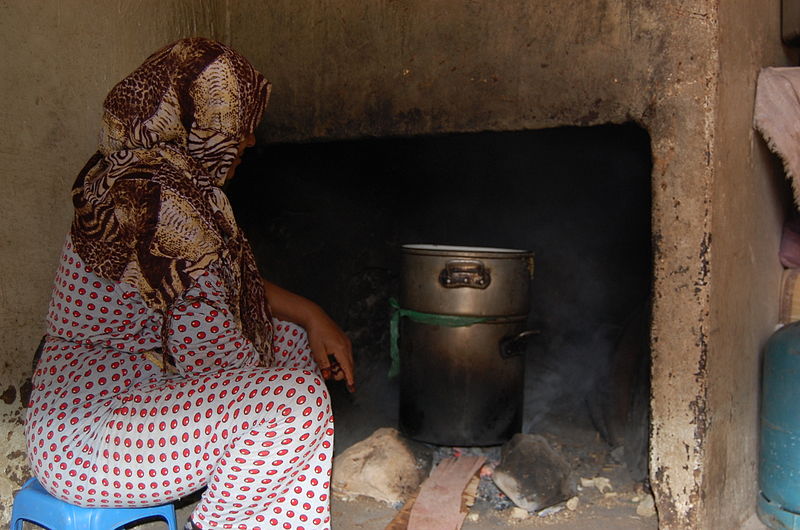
<point x="452" y="248"/>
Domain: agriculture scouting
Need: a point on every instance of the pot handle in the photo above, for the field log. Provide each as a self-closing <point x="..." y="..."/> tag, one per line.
<point x="465" y="273"/>
<point x="514" y="345"/>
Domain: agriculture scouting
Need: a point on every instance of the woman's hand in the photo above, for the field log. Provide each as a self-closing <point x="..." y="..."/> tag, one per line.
<point x="330" y="347"/>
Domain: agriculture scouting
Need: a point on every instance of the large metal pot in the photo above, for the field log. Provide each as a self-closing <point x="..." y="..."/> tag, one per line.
<point x="461" y="379"/>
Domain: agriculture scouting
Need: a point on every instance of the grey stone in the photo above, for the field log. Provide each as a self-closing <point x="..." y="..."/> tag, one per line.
<point x="533" y="474"/>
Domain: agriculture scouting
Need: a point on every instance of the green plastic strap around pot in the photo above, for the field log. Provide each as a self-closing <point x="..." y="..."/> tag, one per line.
<point x="433" y="319"/>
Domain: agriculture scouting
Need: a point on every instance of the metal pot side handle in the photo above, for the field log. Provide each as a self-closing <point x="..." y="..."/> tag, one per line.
<point x="465" y="273"/>
<point x="514" y="345"/>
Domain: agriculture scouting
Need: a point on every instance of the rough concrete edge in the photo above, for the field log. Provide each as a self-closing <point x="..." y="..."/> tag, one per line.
<point x="680" y="501"/>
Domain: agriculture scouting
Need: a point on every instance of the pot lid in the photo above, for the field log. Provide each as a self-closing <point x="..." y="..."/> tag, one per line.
<point x="437" y="249"/>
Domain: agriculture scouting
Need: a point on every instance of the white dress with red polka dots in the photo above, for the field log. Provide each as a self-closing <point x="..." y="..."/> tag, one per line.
<point x="107" y="427"/>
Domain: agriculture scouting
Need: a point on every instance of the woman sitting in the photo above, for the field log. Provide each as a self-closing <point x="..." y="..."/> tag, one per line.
<point x="164" y="368"/>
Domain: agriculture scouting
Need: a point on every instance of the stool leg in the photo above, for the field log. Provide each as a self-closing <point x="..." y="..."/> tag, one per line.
<point x="171" y="517"/>
<point x="173" y="523"/>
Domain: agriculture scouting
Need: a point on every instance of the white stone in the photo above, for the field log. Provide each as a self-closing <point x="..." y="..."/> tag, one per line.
<point x="381" y="467"/>
<point x="552" y="510"/>
<point x="601" y="483"/>
<point x="572" y="504"/>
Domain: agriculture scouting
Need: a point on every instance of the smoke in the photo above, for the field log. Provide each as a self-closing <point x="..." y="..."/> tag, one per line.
<point x="562" y="374"/>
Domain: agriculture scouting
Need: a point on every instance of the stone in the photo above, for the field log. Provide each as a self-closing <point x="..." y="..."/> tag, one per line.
<point x="646" y="507"/>
<point x="385" y="467"/>
<point x="518" y="513"/>
<point x="551" y="510"/>
<point x="601" y="483"/>
<point x="618" y="454"/>
<point x="572" y="504"/>
<point x="532" y="474"/>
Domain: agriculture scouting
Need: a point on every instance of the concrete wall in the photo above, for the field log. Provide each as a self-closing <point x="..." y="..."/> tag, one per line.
<point x="748" y="204"/>
<point x="58" y="60"/>
<point x="350" y="69"/>
<point x="684" y="70"/>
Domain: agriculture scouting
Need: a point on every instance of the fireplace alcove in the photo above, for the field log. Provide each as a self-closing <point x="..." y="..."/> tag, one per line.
<point x="326" y="220"/>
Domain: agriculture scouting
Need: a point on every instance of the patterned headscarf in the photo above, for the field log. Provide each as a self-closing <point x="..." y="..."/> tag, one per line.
<point x="149" y="210"/>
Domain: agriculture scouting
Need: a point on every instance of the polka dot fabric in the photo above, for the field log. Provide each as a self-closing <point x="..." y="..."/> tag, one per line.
<point x="107" y="427"/>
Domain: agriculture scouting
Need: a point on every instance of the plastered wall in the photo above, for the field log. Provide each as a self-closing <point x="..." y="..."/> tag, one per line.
<point x="58" y="59"/>
<point x="352" y="69"/>
<point x="684" y="70"/>
<point x="748" y="202"/>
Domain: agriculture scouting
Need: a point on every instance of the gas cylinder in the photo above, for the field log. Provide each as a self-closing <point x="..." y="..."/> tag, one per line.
<point x="779" y="458"/>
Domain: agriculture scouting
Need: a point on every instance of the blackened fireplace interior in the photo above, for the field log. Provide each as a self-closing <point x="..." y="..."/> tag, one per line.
<point x="326" y="220"/>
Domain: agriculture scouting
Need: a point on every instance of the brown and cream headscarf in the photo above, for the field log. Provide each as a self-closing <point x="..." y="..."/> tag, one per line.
<point x="149" y="210"/>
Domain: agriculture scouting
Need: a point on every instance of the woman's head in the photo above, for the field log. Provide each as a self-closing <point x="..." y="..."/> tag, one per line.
<point x="197" y="94"/>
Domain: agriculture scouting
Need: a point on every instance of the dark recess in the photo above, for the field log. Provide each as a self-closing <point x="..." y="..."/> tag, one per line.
<point x="326" y="220"/>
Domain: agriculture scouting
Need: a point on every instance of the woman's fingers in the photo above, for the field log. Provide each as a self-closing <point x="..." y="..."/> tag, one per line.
<point x="335" y="359"/>
<point x="320" y="356"/>
<point x="332" y="349"/>
<point x="341" y="364"/>
<point x="336" y="370"/>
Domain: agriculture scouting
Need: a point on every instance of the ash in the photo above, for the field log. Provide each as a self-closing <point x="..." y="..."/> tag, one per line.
<point x="488" y="493"/>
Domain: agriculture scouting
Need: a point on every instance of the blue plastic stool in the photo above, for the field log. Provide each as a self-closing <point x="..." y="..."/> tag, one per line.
<point x="32" y="503"/>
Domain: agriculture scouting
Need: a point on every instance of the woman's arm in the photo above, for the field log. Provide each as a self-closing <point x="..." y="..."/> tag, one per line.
<point x="199" y="322"/>
<point x="324" y="336"/>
